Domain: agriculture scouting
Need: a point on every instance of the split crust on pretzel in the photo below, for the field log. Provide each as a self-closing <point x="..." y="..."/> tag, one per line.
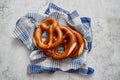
<point x="78" y="50"/>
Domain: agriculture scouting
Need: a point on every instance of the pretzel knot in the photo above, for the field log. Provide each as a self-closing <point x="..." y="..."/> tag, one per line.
<point x="58" y="35"/>
<point x="49" y="25"/>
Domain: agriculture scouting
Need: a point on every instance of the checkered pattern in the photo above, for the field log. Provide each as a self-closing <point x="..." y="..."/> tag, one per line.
<point x="39" y="62"/>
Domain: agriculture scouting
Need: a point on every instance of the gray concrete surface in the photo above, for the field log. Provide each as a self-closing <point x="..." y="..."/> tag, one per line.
<point x="104" y="57"/>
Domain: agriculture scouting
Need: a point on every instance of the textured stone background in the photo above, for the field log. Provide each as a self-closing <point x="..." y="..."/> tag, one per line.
<point x="104" y="57"/>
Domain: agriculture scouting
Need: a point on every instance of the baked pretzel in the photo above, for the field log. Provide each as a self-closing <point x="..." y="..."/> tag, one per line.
<point x="69" y="45"/>
<point x="49" y="25"/>
<point x="78" y="50"/>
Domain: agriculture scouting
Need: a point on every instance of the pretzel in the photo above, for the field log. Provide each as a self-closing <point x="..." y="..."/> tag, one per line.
<point x="72" y="41"/>
<point x="78" y="50"/>
<point x="49" y="25"/>
<point x="68" y="47"/>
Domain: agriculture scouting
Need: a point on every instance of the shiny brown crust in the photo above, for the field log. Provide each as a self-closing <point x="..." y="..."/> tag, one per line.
<point x="49" y="25"/>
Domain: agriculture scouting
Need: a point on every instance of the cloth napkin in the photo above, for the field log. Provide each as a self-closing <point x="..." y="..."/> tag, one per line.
<point x="39" y="62"/>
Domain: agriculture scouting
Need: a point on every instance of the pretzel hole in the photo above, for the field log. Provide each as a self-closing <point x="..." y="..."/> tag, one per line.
<point x="60" y="49"/>
<point x="44" y="36"/>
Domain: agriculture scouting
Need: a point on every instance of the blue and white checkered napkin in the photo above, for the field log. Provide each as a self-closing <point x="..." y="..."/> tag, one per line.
<point x="39" y="62"/>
